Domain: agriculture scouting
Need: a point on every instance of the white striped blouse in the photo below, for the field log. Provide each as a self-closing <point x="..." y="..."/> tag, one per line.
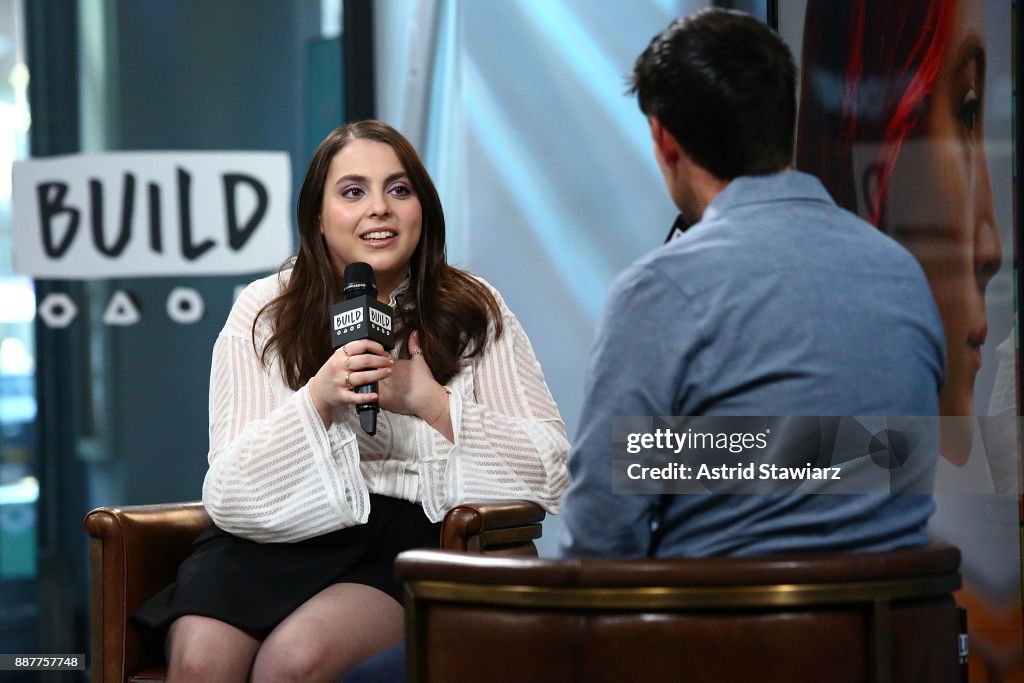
<point x="276" y="474"/>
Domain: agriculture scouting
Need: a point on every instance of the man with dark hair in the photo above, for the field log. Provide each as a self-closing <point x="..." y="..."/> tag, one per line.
<point x="775" y="302"/>
<point x="724" y="90"/>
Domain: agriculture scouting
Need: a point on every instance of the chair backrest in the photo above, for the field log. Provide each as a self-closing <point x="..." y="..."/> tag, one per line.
<point x="877" y="617"/>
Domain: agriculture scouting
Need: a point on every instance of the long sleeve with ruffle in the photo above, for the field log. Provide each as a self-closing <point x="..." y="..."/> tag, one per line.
<point x="276" y="474"/>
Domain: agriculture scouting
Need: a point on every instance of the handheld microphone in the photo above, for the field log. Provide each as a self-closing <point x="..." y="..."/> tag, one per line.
<point x="360" y="316"/>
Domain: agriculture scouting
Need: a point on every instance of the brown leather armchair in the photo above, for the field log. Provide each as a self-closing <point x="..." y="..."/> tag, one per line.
<point x="136" y="550"/>
<point x="842" y="618"/>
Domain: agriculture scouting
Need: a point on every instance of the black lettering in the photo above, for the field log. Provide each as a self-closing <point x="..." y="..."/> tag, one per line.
<point x="237" y="237"/>
<point x="189" y="250"/>
<point x="155" y="235"/>
<point x="128" y="206"/>
<point x="50" y="199"/>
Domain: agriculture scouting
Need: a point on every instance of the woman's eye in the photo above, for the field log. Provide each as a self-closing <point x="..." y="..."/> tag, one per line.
<point x="401" y="191"/>
<point x="352" y="192"/>
<point x="970" y="108"/>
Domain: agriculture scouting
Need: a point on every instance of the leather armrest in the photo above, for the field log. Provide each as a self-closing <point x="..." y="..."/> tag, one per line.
<point x="494" y="527"/>
<point x="135" y="551"/>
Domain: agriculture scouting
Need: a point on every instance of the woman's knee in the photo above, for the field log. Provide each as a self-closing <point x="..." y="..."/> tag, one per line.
<point x="308" y="659"/>
<point x="205" y="649"/>
<point x="328" y="634"/>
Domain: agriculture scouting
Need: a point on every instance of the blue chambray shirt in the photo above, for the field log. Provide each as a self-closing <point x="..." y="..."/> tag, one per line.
<point x="777" y="302"/>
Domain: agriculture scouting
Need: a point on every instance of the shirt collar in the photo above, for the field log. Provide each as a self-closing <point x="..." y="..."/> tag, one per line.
<point x="398" y="291"/>
<point x="756" y="189"/>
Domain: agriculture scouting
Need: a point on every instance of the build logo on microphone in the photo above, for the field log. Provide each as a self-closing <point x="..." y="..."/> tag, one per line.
<point x="381" y="320"/>
<point x="362" y="318"/>
<point x="347" y="321"/>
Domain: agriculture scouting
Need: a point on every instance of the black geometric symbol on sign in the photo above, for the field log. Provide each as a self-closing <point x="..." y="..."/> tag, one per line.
<point x="889" y="449"/>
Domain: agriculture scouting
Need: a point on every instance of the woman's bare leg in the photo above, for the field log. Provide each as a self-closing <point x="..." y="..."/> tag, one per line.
<point x="202" y="649"/>
<point x="329" y="634"/>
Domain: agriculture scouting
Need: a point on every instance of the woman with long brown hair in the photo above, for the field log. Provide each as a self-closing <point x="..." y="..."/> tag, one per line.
<point x="294" y="579"/>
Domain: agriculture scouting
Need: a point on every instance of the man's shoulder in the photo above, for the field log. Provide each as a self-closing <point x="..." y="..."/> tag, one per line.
<point x="662" y="267"/>
<point x="791" y="218"/>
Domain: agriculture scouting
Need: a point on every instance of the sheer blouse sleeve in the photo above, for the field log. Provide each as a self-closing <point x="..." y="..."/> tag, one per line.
<point x="510" y="440"/>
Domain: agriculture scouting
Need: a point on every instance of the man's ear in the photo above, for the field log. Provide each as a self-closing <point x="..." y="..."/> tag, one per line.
<point x="665" y="144"/>
<point x="870" y="197"/>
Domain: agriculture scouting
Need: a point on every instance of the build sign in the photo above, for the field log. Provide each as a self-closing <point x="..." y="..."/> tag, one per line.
<point x="139" y="214"/>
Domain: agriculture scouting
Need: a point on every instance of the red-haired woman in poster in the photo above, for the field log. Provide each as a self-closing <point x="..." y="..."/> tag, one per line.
<point x="891" y="119"/>
<point x="891" y="105"/>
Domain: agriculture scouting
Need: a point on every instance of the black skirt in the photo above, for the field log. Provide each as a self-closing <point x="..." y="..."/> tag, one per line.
<point x="254" y="586"/>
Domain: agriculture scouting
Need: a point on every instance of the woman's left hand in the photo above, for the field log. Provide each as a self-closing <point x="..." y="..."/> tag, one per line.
<point x="412" y="390"/>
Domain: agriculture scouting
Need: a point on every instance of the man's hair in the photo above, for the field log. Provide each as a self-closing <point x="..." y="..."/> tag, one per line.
<point x="724" y="84"/>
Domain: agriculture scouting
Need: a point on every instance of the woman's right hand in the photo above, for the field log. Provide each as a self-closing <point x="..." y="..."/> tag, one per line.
<point x="353" y="365"/>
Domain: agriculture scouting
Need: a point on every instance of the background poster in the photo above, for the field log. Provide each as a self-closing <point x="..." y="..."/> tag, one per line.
<point x="906" y="116"/>
<point x="150" y="214"/>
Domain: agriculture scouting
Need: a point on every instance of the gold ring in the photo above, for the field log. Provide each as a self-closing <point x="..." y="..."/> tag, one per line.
<point x="346" y="363"/>
<point x="348" y="381"/>
<point x="344" y="351"/>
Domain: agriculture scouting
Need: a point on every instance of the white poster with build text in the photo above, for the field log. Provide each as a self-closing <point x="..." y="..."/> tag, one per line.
<point x="142" y="214"/>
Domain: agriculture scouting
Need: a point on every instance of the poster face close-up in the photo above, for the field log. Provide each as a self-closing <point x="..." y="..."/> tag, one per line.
<point x="905" y="114"/>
